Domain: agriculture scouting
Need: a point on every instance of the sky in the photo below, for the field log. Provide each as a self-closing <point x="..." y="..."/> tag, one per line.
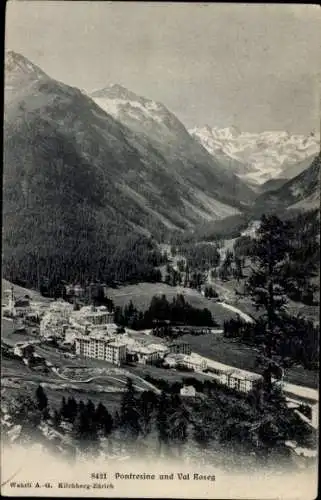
<point x="252" y="66"/>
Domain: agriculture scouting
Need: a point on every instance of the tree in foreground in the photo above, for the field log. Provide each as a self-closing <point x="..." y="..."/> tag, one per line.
<point x="42" y="400"/>
<point x="265" y="284"/>
<point x="129" y="413"/>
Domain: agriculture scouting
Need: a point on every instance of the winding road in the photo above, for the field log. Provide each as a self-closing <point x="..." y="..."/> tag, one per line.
<point x="146" y="385"/>
<point x="242" y="314"/>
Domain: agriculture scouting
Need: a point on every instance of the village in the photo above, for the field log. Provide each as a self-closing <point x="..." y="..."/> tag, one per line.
<point x="89" y="332"/>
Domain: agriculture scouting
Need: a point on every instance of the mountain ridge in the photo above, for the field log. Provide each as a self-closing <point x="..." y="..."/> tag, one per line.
<point x="173" y="141"/>
<point x="80" y="186"/>
<point x="302" y="192"/>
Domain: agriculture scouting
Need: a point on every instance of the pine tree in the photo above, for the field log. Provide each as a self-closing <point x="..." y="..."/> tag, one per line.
<point x="103" y="419"/>
<point x="71" y="409"/>
<point x="238" y="272"/>
<point x="147" y="406"/>
<point x="178" y="420"/>
<point x="42" y="400"/>
<point x="129" y="414"/>
<point x="56" y="419"/>
<point x="63" y="408"/>
<point x="162" y="421"/>
<point x="85" y="432"/>
<point x="265" y="283"/>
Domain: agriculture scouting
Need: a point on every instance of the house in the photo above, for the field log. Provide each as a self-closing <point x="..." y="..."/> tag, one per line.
<point x="76" y="290"/>
<point x="38" y="310"/>
<point x="194" y="362"/>
<point x="179" y="347"/>
<point x="61" y="307"/>
<point x="240" y="380"/>
<point x="24" y="350"/>
<point x="195" y="330"/>
<point x="22" y="306"/>
<point x="33" y="316"/>
<point x="53" y="325"/>
<point x="161" y="349"/>
<point x="172" y="360"/>
<point x="144" y="354"/>
<point x="93" y="316"/>
<point x="189" y="361"/>
<point x="70" y="335"/>
<point x="188" y="391"/>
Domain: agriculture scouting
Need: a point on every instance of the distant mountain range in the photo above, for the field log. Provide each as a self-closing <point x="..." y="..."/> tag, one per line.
<point x="257" y="158"/>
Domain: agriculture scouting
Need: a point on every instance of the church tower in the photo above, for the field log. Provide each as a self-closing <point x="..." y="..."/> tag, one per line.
<point x="11" y="304"/>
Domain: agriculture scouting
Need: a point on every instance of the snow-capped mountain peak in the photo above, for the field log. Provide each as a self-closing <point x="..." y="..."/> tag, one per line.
<point x="263" y="155"/>
<point x="134" y="110"/>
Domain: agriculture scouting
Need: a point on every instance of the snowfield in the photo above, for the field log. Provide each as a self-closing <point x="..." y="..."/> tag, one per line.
<point x="262" y="155"/>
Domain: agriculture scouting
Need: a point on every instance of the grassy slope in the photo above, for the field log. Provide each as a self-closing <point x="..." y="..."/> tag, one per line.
<point x="20" y="291"/>
<point x="213" y="346"/>
<point x="142" y="293"/>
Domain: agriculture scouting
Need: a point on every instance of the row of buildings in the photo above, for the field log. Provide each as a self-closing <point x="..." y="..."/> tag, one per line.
<point x="62" y="322"/>
<point x="121" y="347"/>
<point x="240" y="380"/>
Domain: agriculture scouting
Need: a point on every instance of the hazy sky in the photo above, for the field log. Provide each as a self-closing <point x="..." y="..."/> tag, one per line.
<point x="253" y="66"/>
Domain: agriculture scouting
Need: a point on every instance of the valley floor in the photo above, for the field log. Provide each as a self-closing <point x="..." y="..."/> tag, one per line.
<point x="214" y="346"/>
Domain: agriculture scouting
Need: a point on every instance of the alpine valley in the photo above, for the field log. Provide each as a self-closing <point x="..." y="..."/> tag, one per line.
<point x="160" y="285"/>
<point x="104" y="176"/>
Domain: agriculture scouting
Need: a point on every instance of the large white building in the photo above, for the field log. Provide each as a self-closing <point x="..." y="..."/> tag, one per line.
<point x="99" y="346"/>
<point x="144" y="352"/>
<point x="240" y="380"/>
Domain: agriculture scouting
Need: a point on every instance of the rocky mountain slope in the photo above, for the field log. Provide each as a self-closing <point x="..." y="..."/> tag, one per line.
<point x="259" y="157"/>
<point x="164" y="175"/>
<point x="77" y="181"/>
<point x="302" y="192"/>
<point x="184" y="155"/>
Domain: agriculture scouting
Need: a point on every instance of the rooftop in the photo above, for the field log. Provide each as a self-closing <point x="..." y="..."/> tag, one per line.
<point x="90" y="310"/>
<point x="178" y="342"/>
<point x="94" y="336"/>
<point x="158" y="347"/>
<point x="244" y="375"/>
<point x="142" y="349"/>
<point x="115" y="343"/>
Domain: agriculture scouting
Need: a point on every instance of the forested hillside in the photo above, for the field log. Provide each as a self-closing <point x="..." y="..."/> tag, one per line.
<point x="83" y="194"/>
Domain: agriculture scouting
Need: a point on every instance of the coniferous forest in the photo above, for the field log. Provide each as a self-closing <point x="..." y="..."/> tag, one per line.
<point x="164" y="423"/>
